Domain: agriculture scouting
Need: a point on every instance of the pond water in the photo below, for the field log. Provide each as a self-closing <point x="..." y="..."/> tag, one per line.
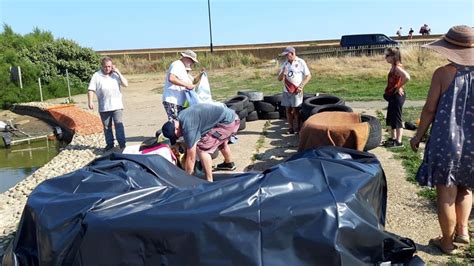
<point x="19" y="161"/>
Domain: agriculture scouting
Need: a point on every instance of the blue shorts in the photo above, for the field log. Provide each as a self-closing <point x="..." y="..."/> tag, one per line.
<point x="291" y="99"/>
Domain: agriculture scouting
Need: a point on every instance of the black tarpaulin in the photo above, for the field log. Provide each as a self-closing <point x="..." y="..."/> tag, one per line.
<point x="320" y="207"/>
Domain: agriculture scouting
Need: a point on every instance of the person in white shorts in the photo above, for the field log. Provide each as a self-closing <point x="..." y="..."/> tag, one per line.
<point x="295" y="75"/>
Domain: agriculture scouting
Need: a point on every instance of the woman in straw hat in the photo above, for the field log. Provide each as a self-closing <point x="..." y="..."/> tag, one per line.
<point x="448" y="159"/>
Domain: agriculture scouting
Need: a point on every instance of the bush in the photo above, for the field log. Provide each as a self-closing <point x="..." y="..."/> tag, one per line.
<point x="40" y="56"/>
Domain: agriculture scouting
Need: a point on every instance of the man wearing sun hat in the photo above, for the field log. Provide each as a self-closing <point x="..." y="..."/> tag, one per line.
<point x="448" y="162"/>
<point x="177" y="81"/>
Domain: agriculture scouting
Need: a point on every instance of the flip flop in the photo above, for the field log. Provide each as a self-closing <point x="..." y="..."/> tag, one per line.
<point x="437" y="243"/>
<point x="462" y="239"/>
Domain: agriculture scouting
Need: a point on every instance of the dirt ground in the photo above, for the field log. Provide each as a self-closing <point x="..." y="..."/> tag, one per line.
<point x="408" y="215"/>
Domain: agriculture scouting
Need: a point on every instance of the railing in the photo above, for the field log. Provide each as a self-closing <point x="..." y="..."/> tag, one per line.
<point x="268" y="51"/>
<point x="354" y="51"/>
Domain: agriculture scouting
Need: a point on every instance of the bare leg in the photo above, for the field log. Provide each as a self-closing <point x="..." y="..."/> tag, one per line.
<point x="225" y="150"/>
<point x="206" y="161"/>
<point x="446" y="214"/>
<point x="392" y="133"/>
<point x="463" y="210"/>
<point x="289" y="117"/>
<point x="399" y="134"/>
<point x="296" y="114"/>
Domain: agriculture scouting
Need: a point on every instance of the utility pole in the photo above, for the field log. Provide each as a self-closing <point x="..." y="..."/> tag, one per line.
<point x="210" y="27"/>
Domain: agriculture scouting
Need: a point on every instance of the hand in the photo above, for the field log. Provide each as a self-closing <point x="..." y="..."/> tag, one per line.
<point x="115" y="69"/>
<point x="401" y="92"/>
<point x="190" y="86"/>
<point x="91" y="106"/>
<point x="415" y="143"/>
<point x="300" y="89"/>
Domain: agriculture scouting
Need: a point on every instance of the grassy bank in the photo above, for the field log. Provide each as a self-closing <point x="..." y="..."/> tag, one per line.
<point x="352" y="78"/>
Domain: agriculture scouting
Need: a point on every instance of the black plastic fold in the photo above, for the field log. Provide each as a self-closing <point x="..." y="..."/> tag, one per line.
<point x="320" y="207"/>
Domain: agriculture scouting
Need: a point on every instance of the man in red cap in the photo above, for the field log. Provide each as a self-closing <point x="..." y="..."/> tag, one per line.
<point x="295" y="74"/>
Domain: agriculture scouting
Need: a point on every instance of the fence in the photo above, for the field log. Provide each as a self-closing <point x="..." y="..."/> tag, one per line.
<point x="354" y="51"/>
<point x="268" y="51"/>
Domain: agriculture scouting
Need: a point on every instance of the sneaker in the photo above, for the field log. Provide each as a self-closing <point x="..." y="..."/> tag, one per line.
<point x="394" y="144"/>
<point x="226" y="166"/>
<point x="108" y="147"/>
<point x="388" y="142"/>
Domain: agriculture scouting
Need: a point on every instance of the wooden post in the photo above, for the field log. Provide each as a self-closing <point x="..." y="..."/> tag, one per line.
<point x="19" y="77"/>
<point x="68" y="87"/>
<point x="41" y="90"/>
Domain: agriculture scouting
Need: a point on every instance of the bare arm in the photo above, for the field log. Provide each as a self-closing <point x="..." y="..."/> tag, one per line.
<point x="283" y="72"/>
<point x="305" y="81"/>
<point x="90" y="97"/>
<point x="429" y="110"/>
<point x="405" y="77"/>
<point x="190" y="160"/>
<point x="198" y="77"/>
<point x="123" y="80"/>
<point x="176" y="81"/>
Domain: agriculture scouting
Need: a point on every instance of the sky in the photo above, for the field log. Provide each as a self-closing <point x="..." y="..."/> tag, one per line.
<point x="127" y="24"/>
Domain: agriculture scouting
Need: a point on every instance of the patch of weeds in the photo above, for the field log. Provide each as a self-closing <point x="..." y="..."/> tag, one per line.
<point x="411" y="161"/>
<point x="261" y="140"/>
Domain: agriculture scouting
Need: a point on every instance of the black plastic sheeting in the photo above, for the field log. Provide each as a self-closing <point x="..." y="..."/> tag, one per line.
<point x="319" y="207"/>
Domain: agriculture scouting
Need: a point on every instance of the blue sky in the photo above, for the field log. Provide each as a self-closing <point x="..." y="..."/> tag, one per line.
<point x="127" y="24"/>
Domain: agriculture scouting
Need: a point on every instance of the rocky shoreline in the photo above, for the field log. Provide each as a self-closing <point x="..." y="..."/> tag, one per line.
<point x="82" y="150"/>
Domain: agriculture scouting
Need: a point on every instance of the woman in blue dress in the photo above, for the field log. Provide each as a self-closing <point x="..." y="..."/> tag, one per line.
<point x="448" y="157"/>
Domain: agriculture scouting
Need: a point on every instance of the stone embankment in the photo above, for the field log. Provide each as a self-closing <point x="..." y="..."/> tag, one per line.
<point x="85" y="146"/>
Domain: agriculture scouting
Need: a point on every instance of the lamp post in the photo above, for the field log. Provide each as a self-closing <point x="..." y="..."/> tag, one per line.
<point x="210" y="27"/>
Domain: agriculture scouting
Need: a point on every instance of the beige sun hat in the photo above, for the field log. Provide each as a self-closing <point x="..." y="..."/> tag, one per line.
<point x="457" y="45"/>
<point x="190" y="54"/>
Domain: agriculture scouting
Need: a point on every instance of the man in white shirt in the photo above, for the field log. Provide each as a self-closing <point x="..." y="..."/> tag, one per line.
<point x="106" y="84"/>
<point x="177" y="81"/>
<point x="295" y="75"/>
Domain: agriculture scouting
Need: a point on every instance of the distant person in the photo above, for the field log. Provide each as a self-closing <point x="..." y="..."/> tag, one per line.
<point x="448" y="161"/>
<point x="178" y="80"/>
<point x="399" y="32"/>
<point x="295" y="75"/>
<point x="425" y="30"/>
<point x="410" y="33"/>
<point x="395" y="96"/>
<point x="204" y="128"/>
<point x="106" y="84"/>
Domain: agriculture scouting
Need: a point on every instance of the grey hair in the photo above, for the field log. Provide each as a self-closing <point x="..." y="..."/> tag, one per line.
<point x="104" y="60"/>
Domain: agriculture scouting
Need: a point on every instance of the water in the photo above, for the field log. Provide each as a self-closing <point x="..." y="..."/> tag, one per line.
<point x="20" y="161"/>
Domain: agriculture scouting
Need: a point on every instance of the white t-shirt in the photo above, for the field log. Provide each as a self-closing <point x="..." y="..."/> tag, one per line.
<point x="297" y="70"/>
<point x="107" y="89"/>
<point x="173" y="93"/>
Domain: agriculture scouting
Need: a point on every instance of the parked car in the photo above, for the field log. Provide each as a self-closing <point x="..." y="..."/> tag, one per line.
<point x="366" y="40"/>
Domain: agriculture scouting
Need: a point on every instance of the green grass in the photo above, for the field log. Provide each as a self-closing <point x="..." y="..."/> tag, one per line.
<point x="350" y="88"/>
<point x="411" y="161"/>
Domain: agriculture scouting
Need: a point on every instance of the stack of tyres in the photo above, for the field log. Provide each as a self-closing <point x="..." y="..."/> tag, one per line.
<point x="239" y="104"/>
<point x="254" y="96"/>
<point x="317" y="104"/>
<point x="270" y="107"/>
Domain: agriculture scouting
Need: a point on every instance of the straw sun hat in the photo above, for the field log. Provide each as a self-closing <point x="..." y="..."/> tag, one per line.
<point x="457" y="45"/>
<point x="190" y="54"/>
